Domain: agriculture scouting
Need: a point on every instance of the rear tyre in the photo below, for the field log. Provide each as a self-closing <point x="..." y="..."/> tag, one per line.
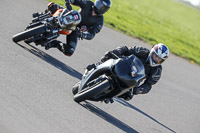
<point x="29" y="33"/>
<point x="92" y="92"/>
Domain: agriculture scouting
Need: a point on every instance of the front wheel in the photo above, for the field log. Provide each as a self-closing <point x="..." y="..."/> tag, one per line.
<point x="88" y="93"/>
<point x="29" y="33"/>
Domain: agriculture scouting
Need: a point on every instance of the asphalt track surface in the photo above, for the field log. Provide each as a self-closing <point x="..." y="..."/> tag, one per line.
<point x="35" y="86"/>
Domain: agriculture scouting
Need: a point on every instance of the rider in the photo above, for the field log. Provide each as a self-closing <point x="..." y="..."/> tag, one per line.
<point x="91" y="23"/>
<point x="151" y="60"/>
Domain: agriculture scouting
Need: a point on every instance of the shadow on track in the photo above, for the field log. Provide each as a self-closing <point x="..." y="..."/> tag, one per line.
<point x="107" y="117"/>
<point x="140" y="111"/>
<point x="51" y="60"/>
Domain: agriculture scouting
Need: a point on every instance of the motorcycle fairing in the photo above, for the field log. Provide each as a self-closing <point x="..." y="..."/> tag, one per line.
<point x="100" y="70"/>
<point x="124" y="68"/>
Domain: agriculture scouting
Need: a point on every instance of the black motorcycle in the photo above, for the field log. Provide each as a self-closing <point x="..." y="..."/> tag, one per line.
<point x="110" y="79"/>
<point x="46" y="26"/>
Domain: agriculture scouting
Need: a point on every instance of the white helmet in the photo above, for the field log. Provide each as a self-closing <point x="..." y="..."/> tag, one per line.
<point x="158" y="54"/>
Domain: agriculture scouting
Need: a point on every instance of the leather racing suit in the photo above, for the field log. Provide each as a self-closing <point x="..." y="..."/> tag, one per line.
<point x="93" y="24"/>
<point x="153" y="74"/>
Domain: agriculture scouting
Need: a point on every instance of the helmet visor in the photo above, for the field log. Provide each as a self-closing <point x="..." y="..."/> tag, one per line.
<point x="100" y="8"/>
<point x="156" y="59"/>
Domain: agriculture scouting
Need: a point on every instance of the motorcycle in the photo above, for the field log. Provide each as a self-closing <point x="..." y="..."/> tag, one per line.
<point x="47" y="26"/>
<point x="112" y="78"/>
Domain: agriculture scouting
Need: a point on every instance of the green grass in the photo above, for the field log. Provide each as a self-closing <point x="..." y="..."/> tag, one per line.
<point x="154" y="21"/>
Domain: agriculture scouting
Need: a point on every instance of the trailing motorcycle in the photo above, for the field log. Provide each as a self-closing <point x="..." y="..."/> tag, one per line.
<point x="110" y="79"/>
<point x="46" y="26"/>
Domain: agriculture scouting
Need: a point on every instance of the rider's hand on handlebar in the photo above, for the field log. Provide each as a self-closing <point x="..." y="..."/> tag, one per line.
<point x="111" y="54"/>
<point x="108" y="54"/>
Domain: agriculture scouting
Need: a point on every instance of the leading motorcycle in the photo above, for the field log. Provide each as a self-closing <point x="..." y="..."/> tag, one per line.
<point x="110" y="79"/>
<point x="47" y="26"/>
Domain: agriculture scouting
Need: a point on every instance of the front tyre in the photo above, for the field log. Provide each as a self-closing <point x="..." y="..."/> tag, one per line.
<point x="92" y="92"/>
<point x="29" y="33"/>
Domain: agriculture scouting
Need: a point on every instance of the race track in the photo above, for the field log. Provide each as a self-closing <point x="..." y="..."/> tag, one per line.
<point x="35" y="86"/>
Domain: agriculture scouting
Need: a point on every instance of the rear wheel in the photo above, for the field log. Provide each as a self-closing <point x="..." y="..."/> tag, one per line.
<point x="91" y="92"/>
<point x="29" y="33"/>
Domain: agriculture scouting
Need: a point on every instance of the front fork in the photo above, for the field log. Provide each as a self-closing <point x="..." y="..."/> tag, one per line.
<point x="37" y="17"/>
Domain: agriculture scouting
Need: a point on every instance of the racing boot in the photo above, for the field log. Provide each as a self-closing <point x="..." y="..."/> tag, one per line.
<point x="68" y="50"/>
<point x="52" y="44"/>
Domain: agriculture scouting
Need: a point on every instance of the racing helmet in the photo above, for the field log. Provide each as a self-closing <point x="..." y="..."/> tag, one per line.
<point x="158" y="54"/>
<point x="101" y="6"/>
<point x="69" y="19"/>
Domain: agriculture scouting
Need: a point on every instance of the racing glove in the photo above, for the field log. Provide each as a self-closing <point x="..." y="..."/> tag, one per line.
<point x="109" y="55"/>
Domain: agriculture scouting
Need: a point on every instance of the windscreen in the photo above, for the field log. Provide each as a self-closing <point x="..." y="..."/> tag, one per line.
<point x="138" y="67"/>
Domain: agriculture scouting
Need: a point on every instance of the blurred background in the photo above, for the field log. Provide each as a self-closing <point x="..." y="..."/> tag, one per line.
<point x="195" y="3"/>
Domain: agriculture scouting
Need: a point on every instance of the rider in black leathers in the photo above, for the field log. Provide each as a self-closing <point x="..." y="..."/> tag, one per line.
<point x="152" y="69"/>
<point x="92" y="22"/>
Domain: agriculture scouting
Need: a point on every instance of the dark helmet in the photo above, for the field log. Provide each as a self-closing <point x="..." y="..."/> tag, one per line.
<point x="101" y="6"/>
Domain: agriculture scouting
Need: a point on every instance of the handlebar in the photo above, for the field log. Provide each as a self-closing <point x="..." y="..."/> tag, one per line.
<point x="114" y="56"/>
